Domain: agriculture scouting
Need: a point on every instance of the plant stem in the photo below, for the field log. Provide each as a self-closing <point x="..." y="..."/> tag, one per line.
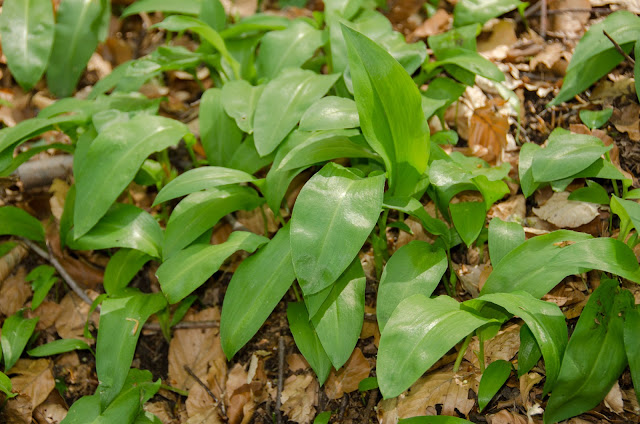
<point x="461" y="352"/>
<point x="296" y="293"/>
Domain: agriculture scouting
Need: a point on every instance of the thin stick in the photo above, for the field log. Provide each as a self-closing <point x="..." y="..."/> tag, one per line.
<point x="371" y="403"/>
<point x="571" y="10"/>
<point x="216" y="401"/>
<point x="617" y="46"/>
<point x="184" y="325"/>
<point x="543" y="19"/>
<point x="280" y="379"/>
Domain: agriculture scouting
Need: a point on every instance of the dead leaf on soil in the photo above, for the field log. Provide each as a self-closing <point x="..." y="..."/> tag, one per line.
<point x="613" y="400"/>
<point x="209" y="416"/>
<point x="33" y="378"/>
<point x="70" y="325"/>
<point x="52" y="411"/>
<point x="488" y="131"/>
<point x="296" y="362"/>
<point x="240" y="8"/>
<point x="83" y="273"/>
<point x="527" y="383"/>
<point x="300" y="397"/>
<point x="627" y="119"/>
<point x="48" y="312"/>
<point x="17" y="410"/>
<point x="161" y="410"/>
<point x="503" y="346"/>
<point x="630" y="5"/>
<point x="245" y="390"/>
<point x="58" y="189"/>
<point x="370" y="328"/>
<point x="549" y="57"/>
<point x="254" y="220"/>
<point x="570" y="22"/>
<point x="199" y="400"/>
<point x="607" y="91"/>
<point x="12" y="259"/>
<point x="347" y="378"/>
<point x="565" y="213"/>
<point x="15" y="292"/>
<point x="472" y="277"/>
<point x="506" y="417"/>
<point x="503" y="36"/>
<point x="514" y="209"/>
<point x="439" y="22"/>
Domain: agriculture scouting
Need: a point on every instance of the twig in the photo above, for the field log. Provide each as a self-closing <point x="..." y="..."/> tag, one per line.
<point x="63" y="272"/>
<point x="216" y="401"/>
<point x="184" y="325"/>
<point x="617" y="46"/>
<point x="543" y="19"/>
<point x="42" y="172"/>
<point x="371" y="403"/>
<point x="571" y="10"/>
<point x="280" y="379"/>
<point x="343" y="406"/>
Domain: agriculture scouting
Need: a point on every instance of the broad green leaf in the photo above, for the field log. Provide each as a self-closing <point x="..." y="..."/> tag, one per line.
<point x="627" y="210"/>
<point x="468" y="219"/>
<point x="42" y="280"/>
<point x="307" y="340"/>
<point x="529" y="353"/>
<point x="121" y="320"/>
<point x="415" y="268"/>
<point x="282" y="104"/>
<point x="595" y="55"/>
<point x="443" y="89"/>
<point x="254" y="291"/>
<point x="58" y="346"/>
<point x="595" y="356"/>
<point x="413" y="207"/>
<point x="25" y="156"/>
<point x="219" y="134"/>
<point x="123" y="147"/>
<point x="323" y="418"/>
<point x="390" y="110"/>
<point x="333" y="216"/>
<point x="5" y="386"/>
<point x="188" y="269"/>
<point x="213" y="14"/>
<point x="200" y="179"/>
<point x="444" y="136"/>
<point x="546" y="322"/>
<point x="77" y="33"/>
<point x="593" y="193"/>
<point x="27" y="37"/>
<point x="595" y="118"/>
<point x="16" y="332"/>
<point x="419" y="332"/>
<point x="566" y="155"/>
<point x="330" y="113"/>
<point x="289" y="48"/>
<point x="13" y="136"/>
<point x="7" y="247"/>
<point x="525" y="172"/>
<point x="247" y="159"/>
<point x="338" y="322"/>
<point x="239" y="99"/>
<point x="84" y="410"/>
<point x="503" y="238"/>
<point x="200" y="211"/>
<point x="17" y="222"/>
<point x="122" y="267"/>
<point x="138" y="388"/>
<point x="434" y="419"/>
<point x="185" y="7"/>
<point x="563" y="253"/>
<point x="368" y="383"/>
<point x="123" y="226"/>
<point x="632" y="345"/>
<point x="260" y="22"/>
<point x="493" y="378"/>
<point x="480" y="11"/>
<point x="469" y="61"/>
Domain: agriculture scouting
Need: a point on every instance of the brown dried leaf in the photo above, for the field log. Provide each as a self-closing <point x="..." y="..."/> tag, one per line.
<point x="254" y="220"/>
<point x="239" y="400"/>
<point x="34" y="379"/>
<point x="347" y="378"/>
<point x="627" y="119"/>
<point x="506" y="417"/>
<point x="209" y="416"/>
<point x="504" y="346"/>
<point x="488" y="131"/>
<point x="12" y="259"/>
<point x="59" y="189"/>
<point x="608" y="91"/>
<point x="512" y="209"/>
<point x="565" y="213"/>
<point x="17" y="410"/>
<point x="70" y="325"/>
<point x="613" y="400"/>
<point x="15" y="292"/>
<point x="437" y="23"/>
<point x="548" y="57"/>
<point x="199" y="400"/>
<point x="296" y="362"/>
<point x="162" y="410"/>
<point x="503" y="36"/>
<point x="52" y="411"/>
<point x="300" y="397"/>
<point x="48" y="312"/>
<point x="240" y="8"/>
<point x="370" y="328"/>
<point x="570" y="22"/>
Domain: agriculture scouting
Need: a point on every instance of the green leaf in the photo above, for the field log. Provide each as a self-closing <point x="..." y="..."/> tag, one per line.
<point x="27" y="37"/>
<point x="333" y="216"/>
<point x="529" y="353"/>
<point x="595" y="356"/>
<point x="413" y="207"/>
<point x="5" y="386"/>
<point x="254" y="291"/>
<point x="330" y="113"/>
<point x="185" y="7"/>
<point x="503" y="238"/>
<point x="480" y="11"/>
<point x="282" y="104"/>
<point x="632" y="345"/>
<point x="566" y="155"/>
<point x="77" y="33"/>
<point x="390" y="109"/>
<point x="546" y="322"/>
<point x="123" y="147"/>
<point x="26" y="155"/>
<point x="213" y="14"/>
<point x="58" y="346"/>
<point x="595" y="55"/>
<point x="239" y="99"/>
<point x="338" y="320"/>
<point x="323" y="418"/>
<point x="121" y="320"/>
<point x="493" y="378"/>
<point x="593" y="193"/>
<point x="188" y="269"/>
<point x="289" y="48"/>
<point x="200" y="211"/>
<point x="442" y="325"/>
<point x="627" y="210"/>
<point x="42" y="280"/>
<point x="123" y="226"/>
<point x="200" y="179"/>
<point x="369" y="383"/>
<point x="415" y="268"/>
<point x="468" y="219"/>
<point x="595" y="118"/>
<point x="84" y="410"/>
<point x="307" y="340"/>
<point x="434" y="419"/>
<point x="17" y="222"/>
<point x="16" y="332"/>
<point x="7" y="247"/>
<point x="563" y="253"/>
<point x="469" y="61"/>
<point x="122" y="267"/>
<point x="219" y="133"/>
<point x="525" y="172"/>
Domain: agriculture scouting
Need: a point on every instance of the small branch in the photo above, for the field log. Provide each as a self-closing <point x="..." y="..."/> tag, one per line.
<point x="371" y="403"/>
<point x="280" y="379"/>
<point x="543" y="18"/>
<point x="216" y="401"/>
<point x="184" y="325"/>
<point x="617" y="46"/>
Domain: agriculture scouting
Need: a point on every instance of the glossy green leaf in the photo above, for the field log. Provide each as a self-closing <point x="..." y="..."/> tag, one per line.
<point x="289" y="48"/>
<point x="413" y="207"/>
<point x="282" y="104"/>
<point x="26" y="155"/>
<point x="239" y="99"/>
<point x="593" y="193"/>
<point x="595" y="356"/>
<point x="330" y="113"/>
<point x="121" y="320"/>
<point x="123" y="147"/>
<point x="16" y="332"/>
<point x="419" y="332"/>
<point x="5" y="386"/>
<point x="185" y="7"/>
<point x="58" y="346"/>
<point x="42" y="280"/>
<point x="595" y="55"/>
<point x="200" y="211"/>
<point x="188" y="269"/>
<point x="369" y="383"/>
<point x="627" y="210"/>
<point x="323" y="418"/>
<point x="415" y="268"/>
<point x="127" y="407"/>
<point x="390" y="110"/>
<point x="84" y="410"/>
<point x="333" y="216"/>
<point x="213" y="14"/>
<point x="529" y="353"/>
<point x="469" y="61"/>
<point x="78" y="30"/>
<point x="200" y="179"/>
<point x="122" y="267"/>
<point x="632" y="345"/>
<point x="17" y="222"/>
<point x="219" y="134"/>
<point x="525" y="172"/>
<point x="260" y="22"/>
<point x="468" y="219"/>
<point x="339" y="320"/>
<point x="493" y="378"/>
<point x="249" y="300"/>
<point x="595" y="118"/>
<point x="307" y="340"/>
<point x="480" y="11"/>
<point x="123" y="226"/>
<point x="434" y="419"/>
<point x="503" y="238"/>
<point x="27" y="37"/>
<point x="546" y="322"/>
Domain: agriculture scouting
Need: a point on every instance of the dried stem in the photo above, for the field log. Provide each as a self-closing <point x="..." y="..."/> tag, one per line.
<point x="216" y="401"/>
<point x="617" y="46"/>
<point x="280" y="379"/>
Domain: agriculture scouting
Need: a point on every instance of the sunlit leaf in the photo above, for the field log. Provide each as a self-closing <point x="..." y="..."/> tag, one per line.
<point x="307" y="340"/>
<point x="17" y="222"/>
<point x="493" y="378"/>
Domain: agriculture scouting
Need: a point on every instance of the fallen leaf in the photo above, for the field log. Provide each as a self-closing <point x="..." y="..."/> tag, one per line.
<point x="240" y="8"/>
<point x="254" y="220"/>
<point x="472" y="277"/>
<point x="296" y="362"/>
<point x="12" y="259"/>
<point x="400" y="11"/>
<point x="437" y="23"/>
<point x="527" y="382"/>
<point x="506" y="417"/>
<point x="52" y="411"/>
<point x="70" y="325"/>
<point x="503" y="346"/>
<point x="239" y="398"/>
<point x="48" y="312"/>
<point x="565" y="213"/>
<point x="571" y="22"/>
<point x="514" y="209"/>
<point x="85" y="274"/>
<point x="548" y="57"/>
<point x="347" y="378"/>
<point x="499" y="42"/>
<point x="488" y="131"/>
<point x="607" y="91"/>
<point x="613" y="400"/>
<point x="33" y="378"/>
<point x="15" y="292"/>
<point x="630" y="5"/>
<point x="199" y="400"/>
<point x="209" y="416"/>
<point x="17" y="410"/>
<point x="300" y="397"/>
<point x="162" y="410"/>
<point x="58" y="189"/>
<point x="627" y="119"/>
<point x="370" y="328"/>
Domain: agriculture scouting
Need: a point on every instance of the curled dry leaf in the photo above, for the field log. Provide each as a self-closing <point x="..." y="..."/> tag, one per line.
<point x="347" y="378"/>
<point x="254" y="220"/>
<point x="488" y="131"/>
<point x="161" y="410"/>
<point x="245" y="390"/>
<point x="70" y="325"/>
<point x="209" y="416"/>
<point x="300" y="397"/>
<point x="613" y="400"/>
<point x="627" y="119"/>
<point x="52" y="411"/>
<point x="58" y="189"/>
<point x="240" y="8"/>
<point x="472" y="277"/>
<point x="296" y="362"/>
<point x="527" y="383"/>
<point x="48" y="312"/>
<point x="437" y="23"/>
<point x="34" y="379"/>
<point x="565" y="213"/>
<point x="17" y="410"/>
<point x="550" y="58"/>
<point x="503" y="36"/>
<point x="630" y="5"/>
<point x="370" y="328"/>
<point x="12" y="259"/>
<point x="15" y="292"/>
<point x="199" y="400"/>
